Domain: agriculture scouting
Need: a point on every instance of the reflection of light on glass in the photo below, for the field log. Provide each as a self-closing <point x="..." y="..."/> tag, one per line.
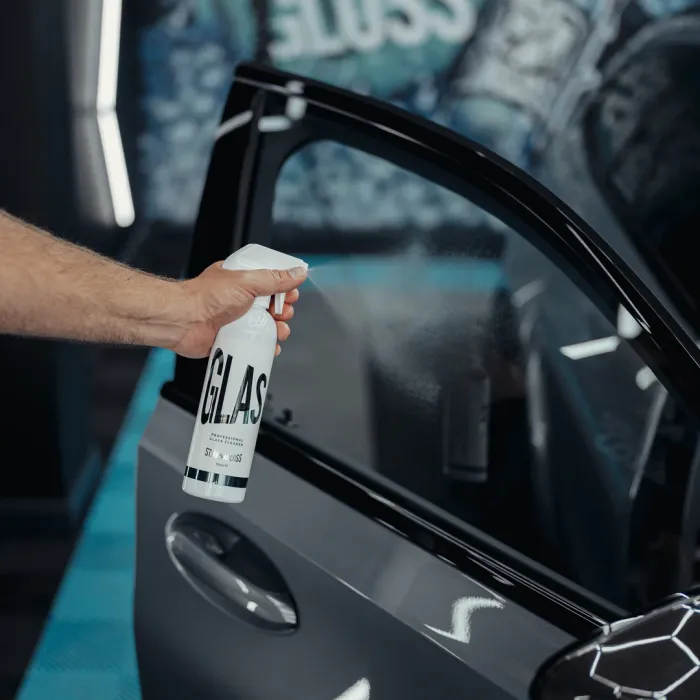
<point x="358" y="691"/>
<point x="651" y="430"/>
<point x="528" y="292"/>
<point x="538" y="414"/>
<point x="462" y="611"/>
<point x="627" y="326"/>
<point x="644" y="378"/>
<point x="591" y="348"/>
<point x="242" y="586"/>
<point x="251" y="605"/>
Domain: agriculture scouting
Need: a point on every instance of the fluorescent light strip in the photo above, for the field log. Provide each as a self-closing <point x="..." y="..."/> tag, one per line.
<point x="108" y="66"/>
<point x="106" y="108"/>
<point x="115" y="165"/>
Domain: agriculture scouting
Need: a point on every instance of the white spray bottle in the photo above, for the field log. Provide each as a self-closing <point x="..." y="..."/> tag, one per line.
<point x="235" y="386"/>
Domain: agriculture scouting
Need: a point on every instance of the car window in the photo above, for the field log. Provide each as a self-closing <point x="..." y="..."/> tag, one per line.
<point x="437" y="348"/>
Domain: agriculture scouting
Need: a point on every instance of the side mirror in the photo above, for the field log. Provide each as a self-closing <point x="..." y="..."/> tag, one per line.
<point x="656" y="655"/>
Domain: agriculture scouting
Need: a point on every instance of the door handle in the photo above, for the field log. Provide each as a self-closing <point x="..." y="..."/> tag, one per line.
<point x="230" y="572"/>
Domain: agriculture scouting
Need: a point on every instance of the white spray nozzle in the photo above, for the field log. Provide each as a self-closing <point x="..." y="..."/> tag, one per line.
<point x="258" y="257"/>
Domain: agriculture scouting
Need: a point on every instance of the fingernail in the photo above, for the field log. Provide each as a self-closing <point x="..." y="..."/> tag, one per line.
<point x="297" y="271"/>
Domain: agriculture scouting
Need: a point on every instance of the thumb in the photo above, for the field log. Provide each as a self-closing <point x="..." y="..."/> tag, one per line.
<point x="262" y="283"/>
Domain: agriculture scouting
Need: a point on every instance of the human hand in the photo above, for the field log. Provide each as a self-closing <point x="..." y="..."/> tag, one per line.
<point x="218" y="296"/>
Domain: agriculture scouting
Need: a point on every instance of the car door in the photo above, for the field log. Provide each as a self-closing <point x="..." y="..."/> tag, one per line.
<point x="396" y="540"/>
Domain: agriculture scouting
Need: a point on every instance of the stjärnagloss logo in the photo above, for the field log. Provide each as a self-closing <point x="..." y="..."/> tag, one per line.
<point x="216" y="390"/>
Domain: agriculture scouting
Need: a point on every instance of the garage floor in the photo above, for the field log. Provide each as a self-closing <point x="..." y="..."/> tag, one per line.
<point x="86" y="651"/>
<point x="32" y="565"/>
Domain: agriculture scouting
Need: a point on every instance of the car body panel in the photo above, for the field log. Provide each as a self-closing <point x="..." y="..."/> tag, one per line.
<point x="368" y="600"/>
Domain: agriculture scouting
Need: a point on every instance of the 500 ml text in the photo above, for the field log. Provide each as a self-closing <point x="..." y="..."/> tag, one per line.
<point x="209" y="452"/>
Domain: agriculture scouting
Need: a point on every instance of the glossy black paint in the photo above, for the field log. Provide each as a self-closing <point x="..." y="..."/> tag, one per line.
<point x="246" y="160"/>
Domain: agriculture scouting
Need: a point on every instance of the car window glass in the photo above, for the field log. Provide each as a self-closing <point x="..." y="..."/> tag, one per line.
<point x="438" y="348"/>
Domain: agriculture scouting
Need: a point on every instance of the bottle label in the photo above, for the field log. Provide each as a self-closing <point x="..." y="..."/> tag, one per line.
<point x="228" y="418"/>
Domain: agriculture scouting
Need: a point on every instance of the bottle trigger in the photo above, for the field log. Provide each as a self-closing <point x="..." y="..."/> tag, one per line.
<point x="279" y="303"/>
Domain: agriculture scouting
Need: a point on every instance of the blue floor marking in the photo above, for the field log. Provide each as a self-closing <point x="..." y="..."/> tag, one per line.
<point x="87" y="648"/>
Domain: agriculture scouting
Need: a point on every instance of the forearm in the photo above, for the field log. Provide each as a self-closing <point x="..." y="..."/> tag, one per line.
<point x="52" y="288"/>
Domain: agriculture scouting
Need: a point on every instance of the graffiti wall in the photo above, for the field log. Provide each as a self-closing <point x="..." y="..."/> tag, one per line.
<point x="510" y="74"/>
